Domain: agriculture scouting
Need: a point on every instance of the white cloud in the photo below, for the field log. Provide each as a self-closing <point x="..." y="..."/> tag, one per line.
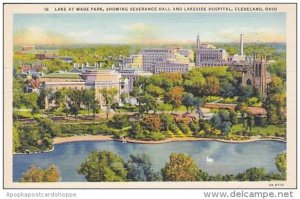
<point x="265" y="34"/>
<point x="36" y="36"/>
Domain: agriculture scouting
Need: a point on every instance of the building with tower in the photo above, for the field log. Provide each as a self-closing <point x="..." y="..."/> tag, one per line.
<point x="256" y="74"/>
<point x="253" y="68"/>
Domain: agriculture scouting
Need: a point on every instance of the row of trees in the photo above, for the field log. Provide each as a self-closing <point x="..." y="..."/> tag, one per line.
<point x="37" y="174"/>
<point x="105" y="54"/>
<point x="199" y="82"/>
<point x="107" y="166"/>
<point x="191" y="89"/>
<point x="67" y="101"/>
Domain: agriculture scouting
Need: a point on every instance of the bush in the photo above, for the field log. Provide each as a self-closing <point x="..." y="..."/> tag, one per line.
<point x="94" y="129"/>
<point x="170" y="134"/>
<point x="194" y="126"/>
<point x="199" y="134"/>
<point x="119" y="121"/>
<point x="180" y="134"/>
<point x="260" y="121"/>
<point x="157" y="136"/>
<point x="174" y="129"/>
<point x="184" y="128"/>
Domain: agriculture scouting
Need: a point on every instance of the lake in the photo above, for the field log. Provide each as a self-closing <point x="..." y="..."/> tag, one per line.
<point x="229" y="158"/>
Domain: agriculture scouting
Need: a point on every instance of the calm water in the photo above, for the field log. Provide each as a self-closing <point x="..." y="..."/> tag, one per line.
<point x="228" y="158"/>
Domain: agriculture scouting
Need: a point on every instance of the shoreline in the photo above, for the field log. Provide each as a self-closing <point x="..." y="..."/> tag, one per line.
<point x="36" y="152"/>
<point x="87" y="138"/>
<point x="61" y="140"/>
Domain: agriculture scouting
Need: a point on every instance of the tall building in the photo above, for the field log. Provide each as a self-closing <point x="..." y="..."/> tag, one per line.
<point x="153" y="55"/>
<point x="208" y="55"/>
<point x="167" y="60"/>
<point x="170" y="66"/>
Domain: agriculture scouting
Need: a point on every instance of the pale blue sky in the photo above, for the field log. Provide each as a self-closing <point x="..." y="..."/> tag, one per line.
<point x="157" y="27"/>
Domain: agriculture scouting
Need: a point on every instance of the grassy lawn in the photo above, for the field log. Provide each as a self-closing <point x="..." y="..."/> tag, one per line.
<point x="209" y="99"/>
<point x="85" y="112"/>
<point x="270" y="130"/>
<point x="230" y="100"/>
<point x="253" y="101"/>
<point x="168" y="107"/>
<point x="26" y="114"/>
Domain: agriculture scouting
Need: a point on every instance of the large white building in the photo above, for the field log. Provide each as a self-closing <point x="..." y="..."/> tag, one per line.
<point x="158" y="60"/>
<point x="208" y="55"/>
<point x="153" y="55"/>
<point x="171" y="66"/>
<point x="91" y="78"/>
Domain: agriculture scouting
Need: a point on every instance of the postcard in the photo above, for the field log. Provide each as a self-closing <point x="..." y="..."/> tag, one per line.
<point x="150" y="96"/>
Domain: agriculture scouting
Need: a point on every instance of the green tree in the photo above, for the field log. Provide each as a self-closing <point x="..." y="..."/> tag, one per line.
<point x="281" y="163"/>
<point x="154" y="91"/>
<point x="66" y="109"/>
<point x="174" y="97"/>
<point x="76" y="97"/>
<point x="275" y="101"/>
<point x="167" y="120"/>
<point x="242" y="108"/>
<point x="95" y="106"/>
<point x="74" y="109"/>
<point x="108" y="95"/>
<point x="34" y="110"/>
<point x="139" y="168"/>
<point x="36" y="174"/>
<point x="187" y="101"/>
<point x="88" y="97"/>
<point x="250" y="122"/>
<point x="17" y="102"/>
<point x="16" y="140"/>
<point x="221" y="121"/>
<point x="147" y="103"/>
<point x="44" y="94"/>
<point x="181" y="167"/>
<point x="58" y="98"/>
<point x="193" y="82"/>
<point x="48" y="126"/>
<point x="253" y="174"/>
<point x="227" y="90"/>
<point x="119" y="121"/>
<point x="30" y="101"/>
<point x="233" y="117"/>
<point x="245" y="93"/>
<point x="103" y="166"/>
<point x="212" y="86"/>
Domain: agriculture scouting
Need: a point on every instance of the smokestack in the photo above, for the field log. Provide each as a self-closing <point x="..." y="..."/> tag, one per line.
<point x="241" y="45"/>
<point x="198" y="42"/>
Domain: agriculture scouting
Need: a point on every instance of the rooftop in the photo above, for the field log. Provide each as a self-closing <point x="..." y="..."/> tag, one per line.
<point x="63" y="75"/>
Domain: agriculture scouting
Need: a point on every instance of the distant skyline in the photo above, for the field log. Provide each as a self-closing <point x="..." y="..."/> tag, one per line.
<point x="147" y="28"/>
